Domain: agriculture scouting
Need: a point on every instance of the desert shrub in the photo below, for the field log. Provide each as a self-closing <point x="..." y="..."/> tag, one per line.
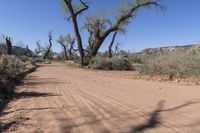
<point x="176" y="63"/>
<point x="121" y="63"/>
<point x="39" y="60"/>
<point x="10" y="66"/>
<point x="28" y="60"/>
<point x="101" y="63"/>
<point x="116" y="63"/>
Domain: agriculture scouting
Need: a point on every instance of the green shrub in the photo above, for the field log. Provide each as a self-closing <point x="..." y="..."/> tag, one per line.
<point x="116" y="63"/>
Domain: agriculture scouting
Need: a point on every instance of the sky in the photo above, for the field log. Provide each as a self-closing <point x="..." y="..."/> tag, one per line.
<point x="31" y="20"/>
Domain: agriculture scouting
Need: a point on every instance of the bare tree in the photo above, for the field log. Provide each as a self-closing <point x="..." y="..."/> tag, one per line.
<point x="38" y="50"/>
<point x="111" y="44"/>
<point x="100" y="28"/>
<point x="74" y="12"/>
<point x="61" y="40"/>
<point x="122" y="20"/>
<point x="9" y="45"/>
<point x="65" y="42"/>
<point x="49" y="47"/>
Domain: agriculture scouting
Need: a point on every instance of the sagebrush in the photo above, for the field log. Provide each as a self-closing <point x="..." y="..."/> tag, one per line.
<point x="10" y="66"/>
<point x="115" y="63"/>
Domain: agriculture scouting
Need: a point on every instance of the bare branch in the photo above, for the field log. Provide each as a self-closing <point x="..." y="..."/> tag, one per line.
<point x="83" y="9"/>
<point x="86" y="51"/>
<point x="124" y="18"/>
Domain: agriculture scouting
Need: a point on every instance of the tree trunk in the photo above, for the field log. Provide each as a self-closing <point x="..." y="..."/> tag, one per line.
<point x="111" y="45"/>
<point x="73" y="16"/>
<point x="48" y="50"/>
<point x="95" y="47"/>
<point x="65" y="51"/>
<point x="79" y="40"/>
<point x="9" y="45"/>
<point x="70" y="52"/>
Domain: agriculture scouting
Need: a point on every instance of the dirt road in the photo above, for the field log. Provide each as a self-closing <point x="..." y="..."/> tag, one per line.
<point x="60" y="99"/>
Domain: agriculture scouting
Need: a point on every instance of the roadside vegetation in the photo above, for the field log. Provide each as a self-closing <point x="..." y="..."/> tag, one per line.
<point x="115" y="63"/>
<point x="12" y="71"/>
<point x="15" y="62"/>
<point x="178" y="63"/>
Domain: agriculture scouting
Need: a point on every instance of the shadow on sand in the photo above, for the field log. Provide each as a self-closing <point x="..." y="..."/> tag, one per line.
<point x="4" y="126"/>
<point x="33" y="94"/>
<point x="155" y="120"/>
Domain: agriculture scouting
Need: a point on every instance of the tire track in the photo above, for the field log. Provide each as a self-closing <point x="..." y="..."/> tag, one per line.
<point x="95" y="102"/>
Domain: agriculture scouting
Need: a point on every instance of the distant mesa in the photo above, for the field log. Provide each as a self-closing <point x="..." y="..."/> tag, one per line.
<point x="165" y="50"/>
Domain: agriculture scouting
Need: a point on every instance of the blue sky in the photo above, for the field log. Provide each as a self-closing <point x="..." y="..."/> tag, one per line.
<point x="31" y="20"/>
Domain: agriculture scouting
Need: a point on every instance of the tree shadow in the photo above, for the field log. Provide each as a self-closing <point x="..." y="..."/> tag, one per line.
<point x="70" y="126"/>
<point x="153" y="121"/>
<point x="4" y="127"/>
<point x="21" y="95"/>
<point x="180" y="106"/>
<point x="32" y="94"/>
<point x="38" y="83"/>
<point x="35" y="109"/>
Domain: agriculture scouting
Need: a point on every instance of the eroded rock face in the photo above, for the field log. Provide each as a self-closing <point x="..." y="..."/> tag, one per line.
<point x="163" y="50"/>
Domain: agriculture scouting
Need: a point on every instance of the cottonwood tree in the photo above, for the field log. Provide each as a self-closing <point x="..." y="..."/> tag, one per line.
<point x="46" y="55"/>
<point x="100" y="28"/>
<point x="65" y="42"/>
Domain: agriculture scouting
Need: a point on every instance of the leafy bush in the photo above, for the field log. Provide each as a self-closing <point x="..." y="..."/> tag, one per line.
<point x="177" y="63"/>
<point x="116" y="63"/>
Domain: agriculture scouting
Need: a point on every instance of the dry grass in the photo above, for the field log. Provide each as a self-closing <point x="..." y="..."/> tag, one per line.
<point x="176" y="63"/>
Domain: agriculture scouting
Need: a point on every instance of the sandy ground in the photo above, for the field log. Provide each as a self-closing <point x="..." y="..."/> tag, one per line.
<point x="60" y="99"/>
